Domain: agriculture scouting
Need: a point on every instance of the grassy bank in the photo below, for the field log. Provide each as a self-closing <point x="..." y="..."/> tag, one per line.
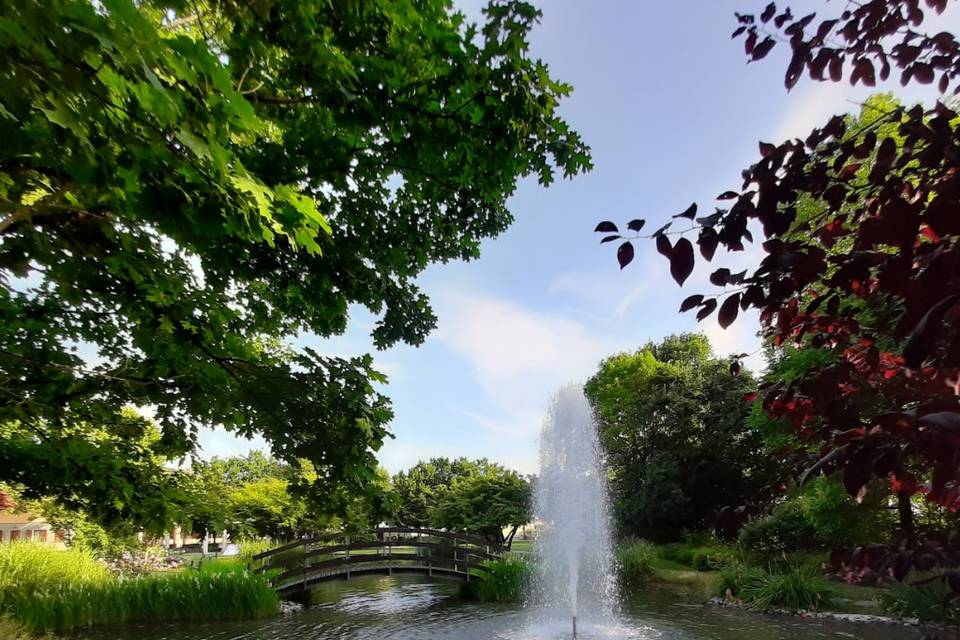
<point x="45" y="590"/>
<point x="764" y="581"/>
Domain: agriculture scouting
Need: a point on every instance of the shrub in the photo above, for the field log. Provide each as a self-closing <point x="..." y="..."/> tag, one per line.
<point x="143" y="561"/>
<point x="502" y="580"/>
<point x="785" y="528"/>
<point x="925" y="602"/>
<point x="821" y="516"/>
<point x="796" y="587"/>
<point x="636" y="560"/>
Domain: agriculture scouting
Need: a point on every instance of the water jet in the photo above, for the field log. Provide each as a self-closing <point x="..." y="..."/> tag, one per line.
<point x="575" y="578"/>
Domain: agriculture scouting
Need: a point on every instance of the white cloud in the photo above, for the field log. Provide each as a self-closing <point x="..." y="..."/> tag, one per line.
<point x="510" y="345"/>
<point x="601" y="291"/>
<point x="519" y="356"/>
<point x="222" y="443"/>
<point x="813" y="108"/>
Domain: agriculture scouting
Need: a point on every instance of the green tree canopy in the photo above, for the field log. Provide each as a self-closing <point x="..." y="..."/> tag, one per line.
<point x="186" y="186"/>
<point x="108" y="468"/>
<point x="422" y="486"/>
<point x="251" y="496"/>
<point x="485" y="504"/>
<point x="672" y="424"/>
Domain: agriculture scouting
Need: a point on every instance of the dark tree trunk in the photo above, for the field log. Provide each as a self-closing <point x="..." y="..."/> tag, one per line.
<point x="508" y="543"/>
<point x="905" y="511"/>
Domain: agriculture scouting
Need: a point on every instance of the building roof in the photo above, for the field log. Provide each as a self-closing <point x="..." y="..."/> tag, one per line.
<point x="9" y="517"/>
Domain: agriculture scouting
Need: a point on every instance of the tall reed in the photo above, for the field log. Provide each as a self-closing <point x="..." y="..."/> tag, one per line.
<point x="502" y="580"/>
<point x="46" y="590"/>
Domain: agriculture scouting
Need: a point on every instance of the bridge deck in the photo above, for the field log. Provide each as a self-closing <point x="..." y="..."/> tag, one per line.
<point x="297" y="566"/>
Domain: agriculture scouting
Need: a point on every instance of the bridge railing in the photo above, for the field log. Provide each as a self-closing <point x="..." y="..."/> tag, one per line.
<point x="383" y="549"/>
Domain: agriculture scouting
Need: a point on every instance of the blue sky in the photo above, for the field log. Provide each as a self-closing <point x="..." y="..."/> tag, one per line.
<point x="672" y="113"/>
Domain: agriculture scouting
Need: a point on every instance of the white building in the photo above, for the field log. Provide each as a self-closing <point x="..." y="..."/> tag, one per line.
<point x="26" y="526"/>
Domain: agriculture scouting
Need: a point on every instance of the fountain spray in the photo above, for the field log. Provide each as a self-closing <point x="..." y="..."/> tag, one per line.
<point x="576" y="580"/>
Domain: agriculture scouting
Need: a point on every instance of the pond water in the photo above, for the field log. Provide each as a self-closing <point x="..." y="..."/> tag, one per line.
<point x="414" y="608"/>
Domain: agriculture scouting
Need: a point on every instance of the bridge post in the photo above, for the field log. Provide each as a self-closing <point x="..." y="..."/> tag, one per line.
<point x="455" y="543"/>
<point x="347" y="541"/>
<point x="303" y="563"/>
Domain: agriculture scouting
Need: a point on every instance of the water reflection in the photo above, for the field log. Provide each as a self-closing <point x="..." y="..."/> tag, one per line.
<point x="415" y="608"/>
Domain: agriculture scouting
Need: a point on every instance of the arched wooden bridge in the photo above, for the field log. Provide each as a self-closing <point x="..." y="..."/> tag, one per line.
<point x="387" y="550"/>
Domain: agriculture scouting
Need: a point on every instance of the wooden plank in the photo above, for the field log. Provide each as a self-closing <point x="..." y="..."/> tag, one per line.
<point x="418" y="570"/>
<point x="348" y="563"/>
<point x="436" y="533"/>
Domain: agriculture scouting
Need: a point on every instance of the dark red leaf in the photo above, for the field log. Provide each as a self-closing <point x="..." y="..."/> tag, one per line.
<point x="924" y="336"/>
<point x="739" y="30"/>
<point x="681" y="261"/>
<point x="783" y="18"/>
<point x="923" y="72"/>
<point x="735" y="367"/>
<point x="768" y="12"/>
<point x="856" y="473"/>
<point x="766" y="148"/>
<point x="707" y="309"/>
<point x="751" y="41"/>
<point x="663" y="245"/>
<point x="690" y="302"/>
<point x="849" y="170"/>
<point x="835" y="67"/>
<point x="947" y="421"/>
<point x="689" y="212"/>
<point x="825" y="27"/>
<point x="662" y="229"/>
<point x="761" y="50"/>
<point x="729" y="310"/>
<point x="795" y="68"/>
<point x="636" y="225"/>
<point x="708" y="241"/>
<point x="606" y="227"/>
<point x="728" y="195"/>
<point x="610" y="239"/>
<point x="719" y="277"/>
<point x="625" y="254"/>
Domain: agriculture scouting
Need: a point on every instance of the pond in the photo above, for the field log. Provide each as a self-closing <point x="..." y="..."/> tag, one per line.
<point x="416" y="608"/>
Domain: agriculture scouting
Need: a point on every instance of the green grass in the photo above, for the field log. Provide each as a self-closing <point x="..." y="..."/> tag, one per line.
<point x="46" y="590"/>
<point x="637" y="560"/>
<point x="250" y="548"/>
<point x="28" y="567"/>
<point x="10" y="630"/>
<point x="522" y="546"/>
<point x="502" y="580"/>
<point x="795" y="587"/>
<point x="702" y="556"/>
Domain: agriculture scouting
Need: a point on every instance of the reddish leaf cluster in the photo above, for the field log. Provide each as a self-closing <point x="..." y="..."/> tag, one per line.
<point x="875" y="564"/>
<point x="885" y="233"/>
<point x="6" y="502"/>
<point x="857" y="39"/>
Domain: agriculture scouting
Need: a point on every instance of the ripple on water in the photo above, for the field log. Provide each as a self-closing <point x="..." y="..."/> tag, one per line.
<point x="413" y="608"/>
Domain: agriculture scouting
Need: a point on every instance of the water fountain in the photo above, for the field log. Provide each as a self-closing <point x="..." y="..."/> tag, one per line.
<point x="576" y="579"/>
